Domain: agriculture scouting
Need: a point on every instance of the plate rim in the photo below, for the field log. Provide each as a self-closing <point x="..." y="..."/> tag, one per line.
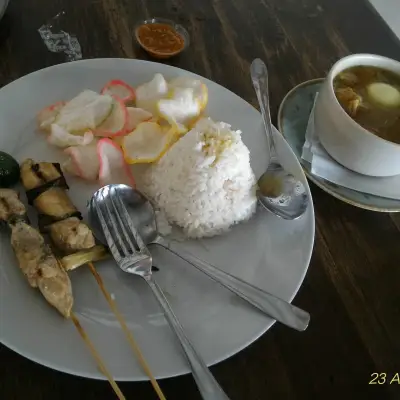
<point x="99" y="376"/>
<point x="317" y="181"/>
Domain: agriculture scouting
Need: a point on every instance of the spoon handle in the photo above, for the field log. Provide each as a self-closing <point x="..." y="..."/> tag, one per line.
<point x="206" y="383"/>
<point x="274" y="307"/>
<point x="259" y="77"/>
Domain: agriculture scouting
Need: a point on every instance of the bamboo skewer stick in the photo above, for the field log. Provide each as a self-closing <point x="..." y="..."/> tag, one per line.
<point x="82" y="257"/>
<point x="28" y="259"/>
<point x="127" y="332"/>
<point x="97" y="357"/>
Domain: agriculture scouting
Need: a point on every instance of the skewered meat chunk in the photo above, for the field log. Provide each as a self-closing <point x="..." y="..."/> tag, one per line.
<point x="34" y="175"/>
<point x="29" y="248"/>
<point x="10" y="205"/>
<point x="41" y="267"/>
<point x="35" y="259"/>
<point x="57" y="213"/>
<point x="67" y="232"/>
<point x="55" y="286"/>
<point x="53" y="201"/>
<point x="71" y="235"/>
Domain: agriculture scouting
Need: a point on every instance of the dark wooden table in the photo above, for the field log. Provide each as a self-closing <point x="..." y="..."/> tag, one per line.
<point x="352" y="289"/>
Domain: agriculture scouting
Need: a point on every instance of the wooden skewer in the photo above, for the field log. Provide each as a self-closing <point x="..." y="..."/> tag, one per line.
<point x="97" y="357"/>
<point x="57" y="173"/>
<point x="35" y="240"/>
<point x="127" y="332"/>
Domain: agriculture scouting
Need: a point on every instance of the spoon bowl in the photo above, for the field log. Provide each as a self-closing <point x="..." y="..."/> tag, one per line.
<point x="141" y="212"/>
<point x="281" y="193"/>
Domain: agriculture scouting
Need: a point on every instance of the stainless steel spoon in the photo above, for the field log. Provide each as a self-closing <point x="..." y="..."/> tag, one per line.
<point x="278" y="190"/>
<point x="142" y="214"/>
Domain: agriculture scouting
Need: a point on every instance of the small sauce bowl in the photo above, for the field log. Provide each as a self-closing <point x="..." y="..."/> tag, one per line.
<point x="161" y="38"/>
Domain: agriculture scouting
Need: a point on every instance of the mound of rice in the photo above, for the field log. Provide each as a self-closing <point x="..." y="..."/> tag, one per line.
<point x="204" y="183"/>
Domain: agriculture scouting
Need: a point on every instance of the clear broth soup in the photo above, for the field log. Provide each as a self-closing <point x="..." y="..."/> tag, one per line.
<point x="371" y="97"/>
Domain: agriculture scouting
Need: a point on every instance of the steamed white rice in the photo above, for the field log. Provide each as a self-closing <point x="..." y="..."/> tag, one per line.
<point x="204" y="183"/>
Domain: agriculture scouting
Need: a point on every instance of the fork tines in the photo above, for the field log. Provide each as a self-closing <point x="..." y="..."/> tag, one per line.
<point x="118" y="227"/>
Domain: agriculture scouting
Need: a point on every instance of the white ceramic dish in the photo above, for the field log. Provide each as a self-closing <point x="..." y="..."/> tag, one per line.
<point x="345" y="140"/>
<point x="267" y="251"/>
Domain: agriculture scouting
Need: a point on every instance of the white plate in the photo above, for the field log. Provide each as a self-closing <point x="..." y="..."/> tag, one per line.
<point x="269" y="252"/>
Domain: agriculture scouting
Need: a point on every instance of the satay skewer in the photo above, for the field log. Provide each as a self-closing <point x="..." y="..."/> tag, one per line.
<point x="97" y="357"/>
<point x="63" y="224"/>
<point x="127" y="332"/>
<point x="42" y="269"/>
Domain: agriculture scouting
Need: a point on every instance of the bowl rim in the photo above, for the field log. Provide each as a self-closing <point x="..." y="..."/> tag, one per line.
<point x="331" y="75"/>
<point x="159" y="20"/>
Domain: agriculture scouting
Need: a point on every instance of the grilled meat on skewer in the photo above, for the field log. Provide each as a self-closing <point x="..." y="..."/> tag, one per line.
<point x="11" y="206"/>
<point x="68" y="233"/>
<point x="36" y="175"/>
<point x="71" y="235"/>
<point x="35" y="258"/>
<point x="41" y="267"/>
<point x="50" y="199"/>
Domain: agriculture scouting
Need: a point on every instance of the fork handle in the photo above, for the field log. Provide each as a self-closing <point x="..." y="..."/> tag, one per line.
<point x="206" y="383"/>
<point x="274" y="307"/>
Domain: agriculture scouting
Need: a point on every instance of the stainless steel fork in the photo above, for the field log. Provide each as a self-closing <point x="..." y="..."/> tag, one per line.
<point x="132" y="256"/>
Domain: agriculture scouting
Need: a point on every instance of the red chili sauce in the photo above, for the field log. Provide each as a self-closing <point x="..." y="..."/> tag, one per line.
<point x="160" y="39"/>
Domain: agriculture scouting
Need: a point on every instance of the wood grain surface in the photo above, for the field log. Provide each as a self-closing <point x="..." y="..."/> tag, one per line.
<point x="352" y="289"/>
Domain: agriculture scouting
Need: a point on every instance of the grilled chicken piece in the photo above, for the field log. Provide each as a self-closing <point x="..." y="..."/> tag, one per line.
<point x="68" y="233"/>
<point x="34" y="175"/>
<point x="53" y="202"/>
<point x="71" y="235"/>
<point x="10" y="205"/>
<point x="29" y="248"/>
<point x="57" y="212"/>
<point x="41" y="267"/>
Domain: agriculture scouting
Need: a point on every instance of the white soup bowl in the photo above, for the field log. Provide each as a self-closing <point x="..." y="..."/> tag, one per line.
<point x="344" y="139"/>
